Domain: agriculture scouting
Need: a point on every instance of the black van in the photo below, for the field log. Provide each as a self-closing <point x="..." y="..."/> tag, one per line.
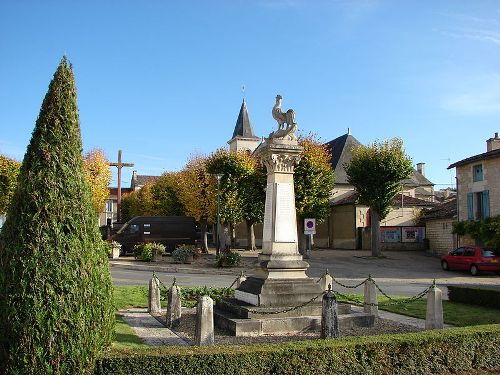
<point x="170" y="231"/>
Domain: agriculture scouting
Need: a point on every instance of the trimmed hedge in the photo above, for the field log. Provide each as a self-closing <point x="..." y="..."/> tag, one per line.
<point x="431" y="352"/>
<point x="474" y="296"/>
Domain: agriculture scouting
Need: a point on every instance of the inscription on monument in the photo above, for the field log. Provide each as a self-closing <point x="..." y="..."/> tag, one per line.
<point x="285" y="226"/>
<point x="268" y="216"/>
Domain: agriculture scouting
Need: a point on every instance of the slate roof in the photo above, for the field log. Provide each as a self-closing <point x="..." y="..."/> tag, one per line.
<point x="243" y="127"/>
<point x="446" y="210"/>
<point x="341" y="151"/>
<point x="417" y="179"/>
<point x="472" y="159"/>
<point x="141" y="180"/>
<point x="396" y="201"/>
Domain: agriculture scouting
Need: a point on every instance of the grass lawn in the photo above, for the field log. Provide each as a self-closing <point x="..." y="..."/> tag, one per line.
<point x="130" y="296"/>
<point x="458" y="314"/>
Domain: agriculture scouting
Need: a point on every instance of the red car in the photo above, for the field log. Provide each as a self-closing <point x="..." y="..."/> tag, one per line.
<point x="471" y="258"/>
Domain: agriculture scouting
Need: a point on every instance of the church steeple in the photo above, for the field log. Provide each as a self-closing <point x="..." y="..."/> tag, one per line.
<point x="243" y="136"/>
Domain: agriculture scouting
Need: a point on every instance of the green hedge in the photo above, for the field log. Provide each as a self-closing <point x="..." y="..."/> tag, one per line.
<point x="474" y="296"/>
<point x="431" y="352"/>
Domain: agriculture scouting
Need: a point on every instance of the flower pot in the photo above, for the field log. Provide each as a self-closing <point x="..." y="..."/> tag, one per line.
<point x="116" y="253"/>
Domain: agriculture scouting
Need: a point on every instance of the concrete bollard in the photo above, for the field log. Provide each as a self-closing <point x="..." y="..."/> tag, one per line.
<point x="326" y="280"/>
<point x="173" y="306"/>
<point x="370" y="300"/>
<point x="204" y="334"/>
<point x="329" y="317"/>
<point x="434" y="315"/>
<point x="154" y="304"/>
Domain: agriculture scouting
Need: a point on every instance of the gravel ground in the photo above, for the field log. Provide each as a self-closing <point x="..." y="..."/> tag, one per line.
<point x="186" y="330"/>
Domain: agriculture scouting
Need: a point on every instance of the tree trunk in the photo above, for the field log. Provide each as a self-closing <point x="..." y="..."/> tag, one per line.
<point x="375" y="229"/>
<point x="302" y="238"/>
<point x="250" y="236"/>
<point x="233" y="235"/>
<point x="204" y="237"/>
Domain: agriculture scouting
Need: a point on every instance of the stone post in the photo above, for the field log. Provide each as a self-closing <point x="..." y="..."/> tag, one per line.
<point x="329" y="317"/>
<point x="204" y="334"/>
<point x="370" y="302"/>
<point x="173" y="306"/>
<point x="434" y="315"/>
<point x="325" y="281"/>
<point x="241" y="278"/>
<point x="154" y="305"/>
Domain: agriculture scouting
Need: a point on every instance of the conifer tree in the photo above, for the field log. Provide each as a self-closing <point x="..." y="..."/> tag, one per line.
<point x="56" y="311"/>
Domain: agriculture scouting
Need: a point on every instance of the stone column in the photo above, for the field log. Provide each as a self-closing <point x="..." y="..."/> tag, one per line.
<point x="371" y="304"/>
<point x="173" y="306"/>
<point x="434" y="315"/>
<point x="329" y="317"/>
<point x="154" y="303"/>
<point x="204" y="333"/>
<point x="280" y="279"/>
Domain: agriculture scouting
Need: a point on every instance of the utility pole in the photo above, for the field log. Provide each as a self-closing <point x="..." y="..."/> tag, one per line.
<point x="120" y="165"/>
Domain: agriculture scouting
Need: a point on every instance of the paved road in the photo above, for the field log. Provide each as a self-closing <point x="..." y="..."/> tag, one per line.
<point x="400" y="273"/>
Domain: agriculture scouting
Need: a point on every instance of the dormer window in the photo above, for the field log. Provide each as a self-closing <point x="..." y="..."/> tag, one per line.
<point x="477" y="173"/>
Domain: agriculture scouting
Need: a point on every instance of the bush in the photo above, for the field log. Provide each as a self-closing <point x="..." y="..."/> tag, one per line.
<point x="486" y="231"/>
<point x="183" y="253"/>
<point x="229" y="259"/>
<point x="474" y="296"/>
<point x="56" y="310"/>
<point x="431" y="352"/>
<point x="148" y="251"/>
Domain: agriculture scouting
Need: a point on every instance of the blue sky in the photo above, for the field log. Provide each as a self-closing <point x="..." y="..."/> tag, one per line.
<point x="162" y="80"/>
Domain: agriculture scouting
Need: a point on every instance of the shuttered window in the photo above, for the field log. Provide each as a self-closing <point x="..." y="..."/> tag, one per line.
<point x="477" y="173"/>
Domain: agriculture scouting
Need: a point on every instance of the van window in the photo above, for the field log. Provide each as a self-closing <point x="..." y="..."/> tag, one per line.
<point x="133" y="228"/>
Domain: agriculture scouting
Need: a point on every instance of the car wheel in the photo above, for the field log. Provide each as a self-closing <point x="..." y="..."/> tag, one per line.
<point x="444" y="265"/>
<point x="474" y="271"/>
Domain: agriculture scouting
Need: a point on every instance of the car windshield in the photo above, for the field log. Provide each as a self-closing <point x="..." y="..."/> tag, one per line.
<point x="125" y="226"/>
<point x="487" y="253"/>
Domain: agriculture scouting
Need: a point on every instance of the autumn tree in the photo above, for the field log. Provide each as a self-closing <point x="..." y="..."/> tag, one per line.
<point x="138" y="203"/>
<point x="165" y="195"/>
<point x="56" y="308"/>
<point x="313" y="182"/>
<point x="376" y="172"/>
<point x="9" y="169"/>
<point x="236" y="203"/>
<point x="197" y="192"/>
<point x="98" y="176"/>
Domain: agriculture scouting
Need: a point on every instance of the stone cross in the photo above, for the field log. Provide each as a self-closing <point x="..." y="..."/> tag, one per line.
<point x="173" y="306"/>
<point x="204" y="334"/>
<point x="329" y="316"/>
<point x="120" y="165"/>
<point x="154" y="306"/>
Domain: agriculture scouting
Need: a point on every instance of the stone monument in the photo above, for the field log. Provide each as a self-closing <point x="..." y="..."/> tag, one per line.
<point x="280" y="280"/>
<point x="280" y="297"/>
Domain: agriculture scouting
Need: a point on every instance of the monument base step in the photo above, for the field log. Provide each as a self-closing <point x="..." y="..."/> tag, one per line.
<point x="285" y="325"/>
<point x="242" y="310"/>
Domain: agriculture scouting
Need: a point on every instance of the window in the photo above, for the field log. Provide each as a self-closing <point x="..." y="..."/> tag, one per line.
<point x="477" y="173"/>
<point x="458" y="252"/>
<point x="109" y="205"/>
<point x="469" y="252"/>
<point x="478" y="205"/>
<point x="134" y="228"/>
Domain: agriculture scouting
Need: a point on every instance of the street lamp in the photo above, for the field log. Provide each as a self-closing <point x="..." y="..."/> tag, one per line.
<point x="218" y="176"/>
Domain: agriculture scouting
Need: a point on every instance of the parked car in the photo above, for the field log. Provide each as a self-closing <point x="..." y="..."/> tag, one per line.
<point x="471" y="258"/>
<point x="171" y="231"/>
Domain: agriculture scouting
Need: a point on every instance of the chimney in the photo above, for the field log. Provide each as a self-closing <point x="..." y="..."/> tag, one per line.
<point x="421" y="168"/>
<point x="493" y="143"/>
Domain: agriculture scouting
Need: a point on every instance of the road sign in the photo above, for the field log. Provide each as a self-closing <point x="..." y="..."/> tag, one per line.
<point x="309" y="226"/>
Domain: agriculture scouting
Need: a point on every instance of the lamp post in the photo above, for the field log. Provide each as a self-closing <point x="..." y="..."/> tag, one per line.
<point x="218" y="176"/>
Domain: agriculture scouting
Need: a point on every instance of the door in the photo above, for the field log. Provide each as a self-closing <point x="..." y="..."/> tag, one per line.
<point x="455" y="259"/>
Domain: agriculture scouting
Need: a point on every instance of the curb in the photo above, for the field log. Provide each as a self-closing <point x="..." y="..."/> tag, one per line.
<point x="169" y="269"/>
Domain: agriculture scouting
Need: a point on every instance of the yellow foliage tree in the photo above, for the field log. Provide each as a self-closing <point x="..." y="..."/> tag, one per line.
<point x="98" y="176"/>
<point x="197" y="193"/>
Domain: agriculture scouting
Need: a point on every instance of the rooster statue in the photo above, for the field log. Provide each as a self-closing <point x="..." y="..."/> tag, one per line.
<point x="287" y="118"/>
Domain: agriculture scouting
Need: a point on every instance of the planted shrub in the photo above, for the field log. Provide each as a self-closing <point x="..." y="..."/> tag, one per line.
<point x="229" y="259"/>
<point x="56" y="310"/>
<point x="474" y="296"/>
<point x="183" y="253"/>
<point x="148" y="251"/>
